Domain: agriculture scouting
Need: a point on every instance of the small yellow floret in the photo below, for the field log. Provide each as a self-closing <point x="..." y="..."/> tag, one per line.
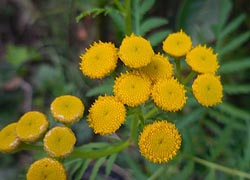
<point x="46" y="169"/>
<point x="59" y="141"/>
<point x="169" y="94"/>
<point x="106" y="115"/>
<point x="99" y="60"/>
<point x="135" y="51"/>
<point x="132" y="89"/>
<point x="67" y="109"/>
<point x="158" y="68"/>
<point x="202" y="60"/>
<point x="8" y="138"/>
<point x="177" y="44"/>
<point x="207" y="89"/>
<point x="32" y="126"/>
<point x="159" y="142"/>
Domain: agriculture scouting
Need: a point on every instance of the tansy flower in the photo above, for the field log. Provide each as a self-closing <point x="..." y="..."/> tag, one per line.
<point x="67" y="109"/>
<point x="169" y="94"/>
<point x="59" y="141"/>
<point x="177" y="44"/>
<point x="135" y="51"/>
<point x="132" y="88"/>
<point x="159" y="142"/>
<point x="46" y="169"/>
<point x="158" y="68"/>
<point x="32" y="126"/>
<point x="202" y="60"/>
<point x="8" y="138"/>
<point x="106" y="115"/>
<point x="99" y="60"/>
<point x="207" y="89"/>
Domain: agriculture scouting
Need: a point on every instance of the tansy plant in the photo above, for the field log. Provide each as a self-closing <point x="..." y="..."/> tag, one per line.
<point x="146" y="85"/>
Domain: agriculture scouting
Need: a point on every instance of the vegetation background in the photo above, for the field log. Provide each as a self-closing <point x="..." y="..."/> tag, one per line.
<point x="40" y="44"/>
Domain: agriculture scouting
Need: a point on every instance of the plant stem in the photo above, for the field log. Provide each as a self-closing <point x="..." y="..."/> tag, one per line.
<point x="151" y="113"/>
<point x="29" y="147"/>
<point x="128" y="22"/>
<point x="189" y="77"/>
<point x="119" y="5"/>
<point x="224" y="169"/>
<point x="133" y="129"/>
<point x="93" y="154"/>
<point x="157" y="173"/>
<point x="178" y="69"/>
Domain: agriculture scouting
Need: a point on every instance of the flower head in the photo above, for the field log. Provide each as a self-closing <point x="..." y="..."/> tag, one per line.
<point x="106" y="115"/>
<point x="31" y="126"/>
<point x="202" y="60"/>
<point x="135" y="51"/>
<point x="59" y="141"/>
<point x="99" y="60"/>
<point x="159" y="142"/>
<point x="177" y="44"/>
<point x="169" y="94"/>
<point x="67" y="109"/>
<point x="8" y="138"/>
<point x="46" y="168"/>
<point x="132" y="88"/>
<point x="158" y="68"/>
<point x="207" y="89"/>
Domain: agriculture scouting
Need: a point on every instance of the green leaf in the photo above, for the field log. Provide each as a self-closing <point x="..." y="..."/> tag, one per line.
<point x="151" y="23"/>
<point x="235" y="43"/>
<point x="232" y="26"/>
<point x="82" y="169"/>
<point x="94" y="12"/>
<point x="73" y="166"/>
<point x="158" y="37"/>
<point x="17" y="55"/>
<point x="105" y="88"/>
<point x="110" y="163"/>
<point x="96" y="167"/>
<point x="146" y="6"/>
<point x="237" y="65"/>
<point x="225" y="8"/>
<point x="236" y="89"/>
<point x="118" y="19"/>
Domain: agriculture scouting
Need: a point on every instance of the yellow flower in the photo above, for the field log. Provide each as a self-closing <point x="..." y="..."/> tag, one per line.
<point x="202" y="60"/>
<point x="59" y="141"/>
<point x="135" y="51"/>
<point x="177" y="44"/>
<point x="67" y="109"/>
<point x="132" y="88"/>
<point x="8" y="138"/>
<point x="169" y="95"/>
<point x="99" y="60"/>
<point x="158" y="68"/>
<point x="207" y="89"/>
<point x="46" y="169"/>
<point x="159" y="142"/>
<point x="32" y="126"/>
<point x="106" y="115"/>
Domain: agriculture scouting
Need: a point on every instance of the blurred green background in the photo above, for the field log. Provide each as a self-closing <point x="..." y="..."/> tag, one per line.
<point x="40" y="44"/>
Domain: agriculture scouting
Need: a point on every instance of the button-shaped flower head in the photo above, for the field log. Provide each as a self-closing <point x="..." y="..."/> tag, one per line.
<point x="106" y="115"/>
<point x="8" y="138"/>
<point x="159" y="142"/>
<point x="32" y="126"/>
<point x="99" y="60"/>
<point x="135" y="51"/>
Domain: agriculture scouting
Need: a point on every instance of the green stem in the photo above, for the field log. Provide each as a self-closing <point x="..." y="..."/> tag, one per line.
<point x="224" y="169"/>
<point x="133" y="129"/>
<point x="151" y="113"/>
<point x="157" y="173"/>
<point x="178" y="69"/>
<point x="189" y="77"/>
<point x="128" y="23"/>
<point x="119" y="5"/>
<point x="93" y="154"/>
<point x="29" y="147"/>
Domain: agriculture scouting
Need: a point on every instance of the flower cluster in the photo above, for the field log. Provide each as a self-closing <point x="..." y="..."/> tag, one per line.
<point x="147" y="76"/>
<point x="58" y="141"/>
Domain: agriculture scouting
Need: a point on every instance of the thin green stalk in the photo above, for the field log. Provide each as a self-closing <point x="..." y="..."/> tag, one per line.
<point x="151" y="113"/>
<point x="133" y="129"/>
<point x="218" y="167"/>
<point x="178" y="69"/>
<point x="157" y="173"/>
<point x="29" y="147"/>
<point x="128" y="21"/>
<point x="119" y="5"/>
<point x="93" y="154"/>
<point x="189" y="77"/>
